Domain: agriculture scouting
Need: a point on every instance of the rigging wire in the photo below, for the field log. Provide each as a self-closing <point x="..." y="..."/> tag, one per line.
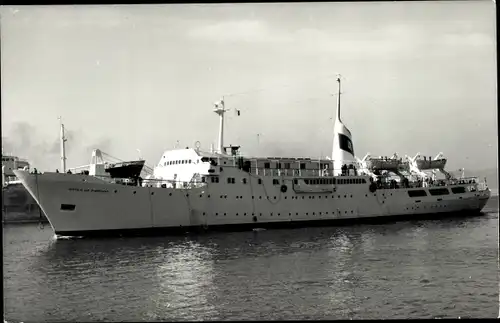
<point x="283" y="85"/>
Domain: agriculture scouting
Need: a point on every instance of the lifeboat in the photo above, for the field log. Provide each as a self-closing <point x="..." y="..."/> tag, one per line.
<point x="431" y="164"/>
<point x="384" y="164"/>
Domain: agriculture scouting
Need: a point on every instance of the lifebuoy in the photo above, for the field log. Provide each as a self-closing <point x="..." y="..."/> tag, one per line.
<point x="373" y="187"/>
<point x="284" y="188"/>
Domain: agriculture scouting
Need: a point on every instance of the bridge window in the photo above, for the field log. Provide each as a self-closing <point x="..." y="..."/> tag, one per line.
<point x="417" y="193"/>
<point x="189" y="161"/>
<point x="302" y="166"/>
<point x="278" y="165"/>
<point x="287" y="165"/>
<point x="439" y="191"/>
<point x="267" y="165"/>
<point x="458" y="190"/>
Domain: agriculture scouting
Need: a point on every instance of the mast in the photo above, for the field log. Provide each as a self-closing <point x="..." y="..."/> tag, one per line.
<point x="220" y="109"/>
<point x="336" y="123"/>
<point x="63" y="147"/>
<point x="338" y="98"/>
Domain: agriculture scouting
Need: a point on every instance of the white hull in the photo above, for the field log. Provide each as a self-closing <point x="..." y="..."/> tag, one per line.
<point x="100" y="206"/>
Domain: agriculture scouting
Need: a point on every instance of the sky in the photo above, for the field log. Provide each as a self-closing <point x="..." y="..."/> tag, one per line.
<point x="416" y="77"/>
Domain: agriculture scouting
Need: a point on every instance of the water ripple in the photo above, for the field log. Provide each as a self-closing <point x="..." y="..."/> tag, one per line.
<point x="420" y="269"/>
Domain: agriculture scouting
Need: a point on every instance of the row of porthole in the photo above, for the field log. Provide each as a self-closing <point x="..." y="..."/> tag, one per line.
<point x="260" y="197"/>
<point x="432" y="206"/>
<point x="289" y="214"/>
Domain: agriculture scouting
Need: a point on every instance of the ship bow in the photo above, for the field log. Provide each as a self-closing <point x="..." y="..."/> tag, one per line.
<point x="29" y="181"/>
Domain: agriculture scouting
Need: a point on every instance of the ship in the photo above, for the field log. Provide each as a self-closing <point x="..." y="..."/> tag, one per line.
<point x="18" y="206"/>
<point x="192" y="190"/>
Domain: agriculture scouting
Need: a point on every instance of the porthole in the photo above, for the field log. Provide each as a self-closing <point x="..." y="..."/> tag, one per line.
<point x="169" y="194"/>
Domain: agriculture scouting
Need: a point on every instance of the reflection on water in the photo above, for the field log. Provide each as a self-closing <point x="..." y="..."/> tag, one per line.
<point x="402" y="270"/>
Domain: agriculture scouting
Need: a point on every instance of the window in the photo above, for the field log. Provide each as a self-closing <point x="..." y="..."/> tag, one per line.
<point x="287" y="165"/>
<point x="189" y="161"/>
<point x="260" y="181"/>
<point x="244" y="180"/>
<point x="295" y="181"/>
<point x="458" y="190"/>
<point x="439" y="191"/>
<point x="302" y="166"/>
<point x="165" y="164"/>
<point x="203" y="180"/>
<point x="68" y="207"/>
<point x="417" y="193"/>
<point x="229" y="180"/>
<point x="276" y="182"/>
<point x="267" y="165"/>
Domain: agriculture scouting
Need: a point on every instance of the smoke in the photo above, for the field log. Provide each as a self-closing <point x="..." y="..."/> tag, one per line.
<point x="25" y="141"/>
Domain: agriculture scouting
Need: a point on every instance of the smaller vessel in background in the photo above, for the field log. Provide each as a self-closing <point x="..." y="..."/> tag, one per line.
<point x="18" y="205"/>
